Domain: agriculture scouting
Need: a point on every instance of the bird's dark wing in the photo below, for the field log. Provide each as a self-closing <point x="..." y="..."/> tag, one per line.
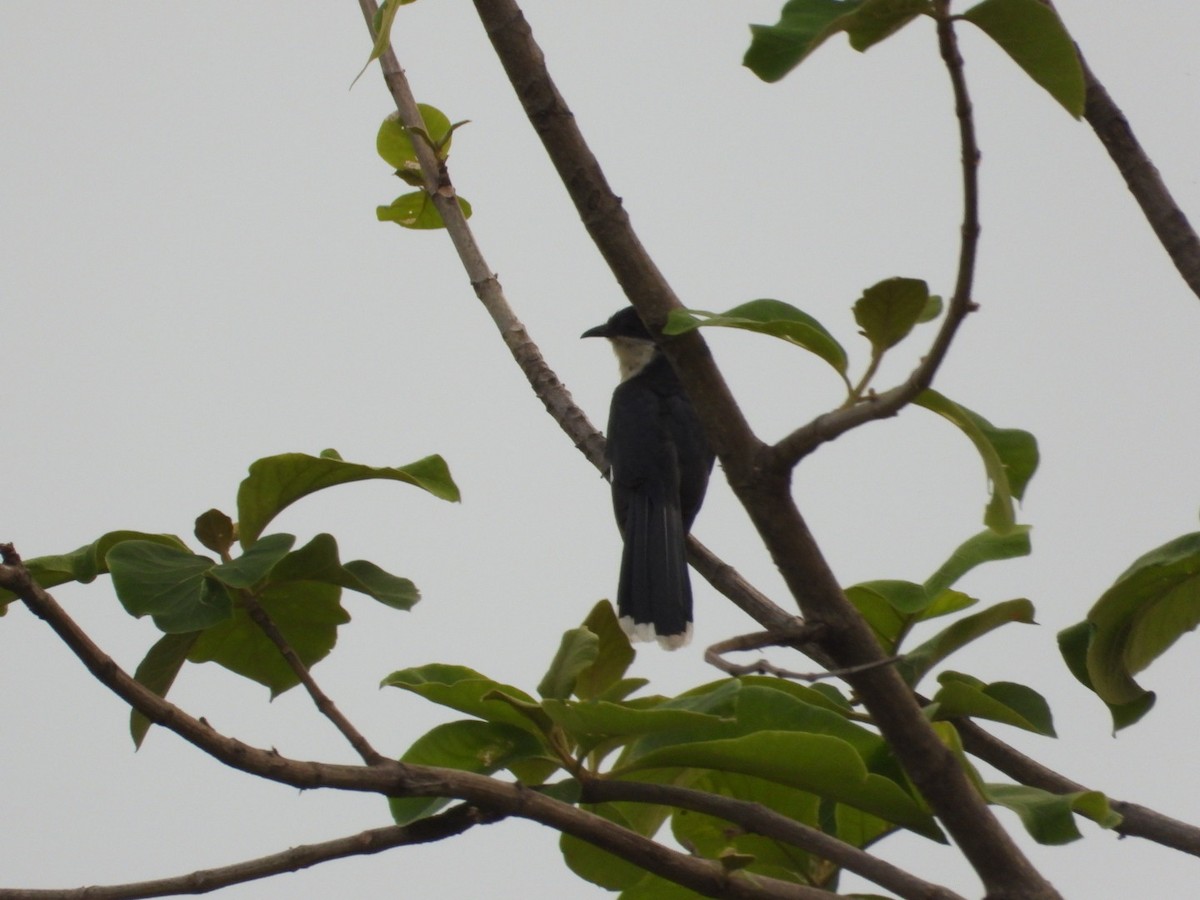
<point x="693" y="455"/>
<point x="654" y="597"/>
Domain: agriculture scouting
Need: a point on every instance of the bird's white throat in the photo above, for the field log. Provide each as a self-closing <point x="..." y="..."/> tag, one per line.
<point x="633" y="355"/>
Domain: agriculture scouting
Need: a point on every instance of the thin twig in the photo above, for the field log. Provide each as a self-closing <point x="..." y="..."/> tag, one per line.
<point x="755" y="818"/>
<point x="795" y="446"/>
<point x="327" y="707"/>
<point x="800" y="635"/>
<point x="448" y="824"/>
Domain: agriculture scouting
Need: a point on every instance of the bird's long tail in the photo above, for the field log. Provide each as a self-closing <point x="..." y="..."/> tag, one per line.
<point x="654" y="595"/>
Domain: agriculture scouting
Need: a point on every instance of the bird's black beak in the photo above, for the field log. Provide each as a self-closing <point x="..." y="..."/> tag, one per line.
<point x="598" y="331"/>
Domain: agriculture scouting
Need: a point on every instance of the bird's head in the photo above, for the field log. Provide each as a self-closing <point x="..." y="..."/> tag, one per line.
<point x="631" y="342"/>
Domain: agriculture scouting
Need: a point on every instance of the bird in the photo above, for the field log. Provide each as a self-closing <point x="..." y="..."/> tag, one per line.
<point x="659" y="463"/>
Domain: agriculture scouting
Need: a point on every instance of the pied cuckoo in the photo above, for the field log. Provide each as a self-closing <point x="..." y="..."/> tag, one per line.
<point x="659" y="464"/>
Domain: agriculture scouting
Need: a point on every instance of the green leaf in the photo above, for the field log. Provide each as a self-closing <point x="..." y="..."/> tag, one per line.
<point x="778" y="705"/>
<point x="903" y="596"/>
<point x="892" y="607"/>
<point x="619" y="690"/>
<point x="157" y="672"/>
<point x="946" y="603"/>
<point x="395" y="145"/>
<point x="318" y="561"/>
<point x="823" y="765"/>
<point x="578" y="649"/>
<point x="216" y="531"/>
<point x="887" y="311"/>
<point x="718" y="700"/>
<point x="811" y="695"/>
<point x="274" y="483"/>
<point x="417" y="211"/>
<point x="802" y="27"/>
<point x="885" y="620"/>
<point x="1010" y="456"/>
<point x="307" y="613"/>
<point x="530" y="710"/>
<point x="805" y="24"/>
<point x="470" y="746"/>
<point x="987" y="546"/>
<point x="602" y="868"/>
<point x="465" y="690"/>
<point x="1033" y="35"/>
<point x="599" y="867"/>
<point x="915" y="665"/>
<point x="857" y="828"/>
<point x="1001" y="701"/>
<point x="84" y="564"/>
<point x="1049" y="818"/>
<point x="256" y="563"/>
<point x="933" y="309"/>
<point x="170" y="585"/>
<point x="612" y="660"/>
<point x="390" y="590"/>
<point x="382" y="23"/>
<point x="713" y="838"/>
<point x="1073" y="643"/>
<point x="599" y="718"/>
<point x="772" y="317"/>
<point x="1148" y="608"/>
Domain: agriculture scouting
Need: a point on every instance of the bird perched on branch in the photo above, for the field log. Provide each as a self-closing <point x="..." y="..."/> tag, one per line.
<point x="659" y="463"/>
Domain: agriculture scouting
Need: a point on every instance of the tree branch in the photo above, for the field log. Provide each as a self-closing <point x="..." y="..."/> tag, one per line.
<point x="324" y="705"/>
<point x="545" y="383"/>
<point x="435" y="828"/>
<point x="797" y="636"/>
<point x="605" y="219"/>
<point x="1141" y="176"/>
<point x="757" y="819"/>
<point x="390" y="778"/>
<point x="1138" y="821"/>
<point x="1167" y="220"/>
<point x="831" y="425"/>
<point x="758" y="476"/>
<point x="551" y="118"/>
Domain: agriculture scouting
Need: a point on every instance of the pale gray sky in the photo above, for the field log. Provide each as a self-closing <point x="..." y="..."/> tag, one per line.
<point x="192" y="277"/>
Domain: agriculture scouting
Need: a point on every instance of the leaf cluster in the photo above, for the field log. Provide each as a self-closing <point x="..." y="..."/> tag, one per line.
<point x="801" y="751"/>
<point x="394" y="144"/>
<point x="1029" y="31"/>
<point x="212" y="610"/>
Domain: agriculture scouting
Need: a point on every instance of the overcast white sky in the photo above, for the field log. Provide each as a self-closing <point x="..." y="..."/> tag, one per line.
<point x="192" y="277"/>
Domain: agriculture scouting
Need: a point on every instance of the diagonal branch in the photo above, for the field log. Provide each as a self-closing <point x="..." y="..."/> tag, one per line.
<point x="325" y="706"/>
<point x="608" y="224"/>
<point x="757" y="819"/>
<point x="1141" y="176"/>
<point x="448" y="824"/>
<point x="1137" y="821"/>
<point x="758" y="476"/>
<point x="1163" y="214"/>
<point x="545" y="383"/>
